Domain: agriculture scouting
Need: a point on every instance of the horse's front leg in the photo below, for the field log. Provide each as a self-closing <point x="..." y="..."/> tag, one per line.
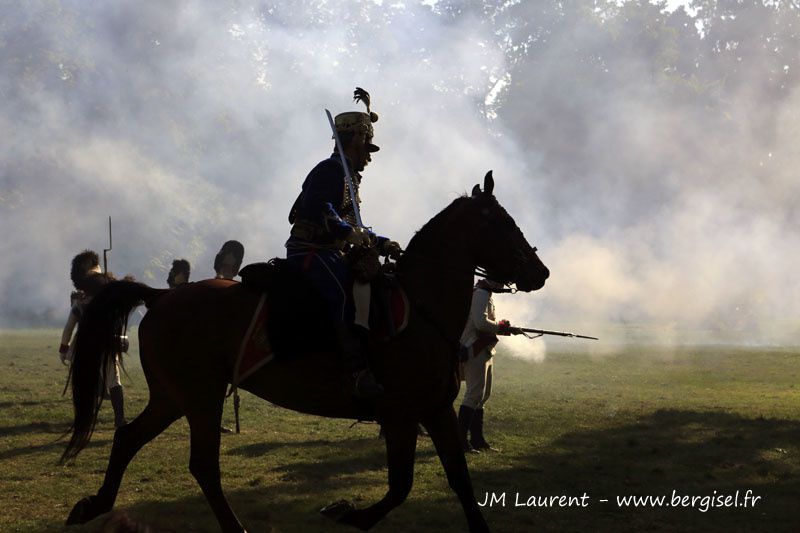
<point x="443" y="429"/>
<point x="401" y="445"/>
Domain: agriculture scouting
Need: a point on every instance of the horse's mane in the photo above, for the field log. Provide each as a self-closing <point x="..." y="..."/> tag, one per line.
<point x="421" y="239"/>
<point x="427" y="236"/>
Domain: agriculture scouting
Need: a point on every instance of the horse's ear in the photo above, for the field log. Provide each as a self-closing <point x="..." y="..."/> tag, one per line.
<point x="476" y="190"/>
<point x="488" y="183"/>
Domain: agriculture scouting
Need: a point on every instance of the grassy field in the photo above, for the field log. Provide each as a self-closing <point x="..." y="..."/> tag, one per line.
<point x="642" y="420"/>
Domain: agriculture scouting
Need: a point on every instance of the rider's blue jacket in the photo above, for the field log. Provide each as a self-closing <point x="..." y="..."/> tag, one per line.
<point x="323" y="214"/>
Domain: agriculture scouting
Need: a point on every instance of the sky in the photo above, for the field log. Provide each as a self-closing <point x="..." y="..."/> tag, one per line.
<point x="648" y="150"/>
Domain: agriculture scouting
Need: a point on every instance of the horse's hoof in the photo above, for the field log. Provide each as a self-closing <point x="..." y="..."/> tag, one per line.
<point x="337" y="510"/>
<point x="84" y="510"/>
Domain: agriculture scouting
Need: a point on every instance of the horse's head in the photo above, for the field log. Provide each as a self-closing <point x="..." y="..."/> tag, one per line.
<point x="498" y="244"/>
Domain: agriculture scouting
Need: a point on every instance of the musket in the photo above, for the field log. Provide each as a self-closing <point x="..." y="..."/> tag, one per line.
<point x="348" y="178"/>
<point x="540" y="332"/>
<point x="106" y="250"/>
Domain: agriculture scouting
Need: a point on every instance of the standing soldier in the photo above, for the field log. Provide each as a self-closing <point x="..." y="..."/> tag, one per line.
<point x="226" y="266"/>
<point x="325" y="228"/>
<point x="88" y="280"/>
<point x="179" y="273"/>
<point x="478" y="341"/>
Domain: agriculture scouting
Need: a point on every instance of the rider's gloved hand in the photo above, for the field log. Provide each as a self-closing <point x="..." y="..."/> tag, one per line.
<point x="505" y="327"/>
<point x="359" y="237"/>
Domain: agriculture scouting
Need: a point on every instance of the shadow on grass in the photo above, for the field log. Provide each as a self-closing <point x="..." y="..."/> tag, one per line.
<point x="265" y="448"/>
<point x="34" y="427"/>
<point x="32" y="403"/>
<point x="58" y="445"/>
<point x="693" y="453"/>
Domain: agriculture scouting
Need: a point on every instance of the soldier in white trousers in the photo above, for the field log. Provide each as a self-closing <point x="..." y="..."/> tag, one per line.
<point x="477" y="348"/>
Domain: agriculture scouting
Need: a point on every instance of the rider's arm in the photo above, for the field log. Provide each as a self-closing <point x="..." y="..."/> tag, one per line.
<point x="324" y="189"/>
<point x="335" y="225"/>
<point x="324" y="185"/>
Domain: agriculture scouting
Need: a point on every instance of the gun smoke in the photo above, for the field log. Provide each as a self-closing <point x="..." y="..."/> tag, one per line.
<point x="649" y="153"/>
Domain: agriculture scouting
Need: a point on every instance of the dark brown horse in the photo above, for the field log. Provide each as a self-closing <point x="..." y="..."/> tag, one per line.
<point x="190" y="337"/>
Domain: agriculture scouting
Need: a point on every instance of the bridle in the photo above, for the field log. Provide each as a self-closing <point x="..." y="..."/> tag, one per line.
<point x="479" y="271"/>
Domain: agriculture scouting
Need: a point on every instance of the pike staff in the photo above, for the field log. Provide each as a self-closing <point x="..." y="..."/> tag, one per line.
<point x="106" y="250"/>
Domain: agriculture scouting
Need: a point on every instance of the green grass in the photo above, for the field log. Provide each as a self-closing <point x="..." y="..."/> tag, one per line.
<point x="641" y="420"/>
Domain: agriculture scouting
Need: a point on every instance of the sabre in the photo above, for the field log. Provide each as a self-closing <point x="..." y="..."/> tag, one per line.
<point x="540" y="332"/>
<point x="348" y="178"/>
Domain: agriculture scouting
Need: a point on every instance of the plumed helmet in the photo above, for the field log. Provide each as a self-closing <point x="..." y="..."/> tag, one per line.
<point x="358" y="122"/>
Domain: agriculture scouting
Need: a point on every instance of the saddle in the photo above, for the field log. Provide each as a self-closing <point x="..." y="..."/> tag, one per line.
<point x="389" y="308"/>
<point x="291" y="317"/>
<point x="290" y="321"/>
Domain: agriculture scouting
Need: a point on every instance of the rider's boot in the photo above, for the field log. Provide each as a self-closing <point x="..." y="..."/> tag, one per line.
<point x="359" y="381"/>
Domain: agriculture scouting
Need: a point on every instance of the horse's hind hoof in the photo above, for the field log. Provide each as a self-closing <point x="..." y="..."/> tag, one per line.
<point x="337" y="510"/>
<point x="84" y="510"/>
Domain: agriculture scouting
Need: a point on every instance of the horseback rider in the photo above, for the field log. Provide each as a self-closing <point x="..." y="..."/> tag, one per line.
<point x="179" y="273"/>
<point x="478" y="341"/>
<point x="88" y="279"/>
<point x="337" y="255"/>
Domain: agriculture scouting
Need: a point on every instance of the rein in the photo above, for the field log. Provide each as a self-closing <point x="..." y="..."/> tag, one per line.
<point x="420" y="308"/>
<point x="422" y="311"/>
<point x="478" y="271"/>
<point x="437" y="326"/>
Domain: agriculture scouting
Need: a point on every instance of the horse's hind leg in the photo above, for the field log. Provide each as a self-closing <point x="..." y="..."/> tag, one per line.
<point x="401" y="444"/>
<point x="204" y="419"/>
<point x="128" y="440"/>
<point x="443" y="430"/>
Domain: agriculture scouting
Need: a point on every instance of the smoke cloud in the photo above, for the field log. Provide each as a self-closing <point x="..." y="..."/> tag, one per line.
<point x="646" y="149"/>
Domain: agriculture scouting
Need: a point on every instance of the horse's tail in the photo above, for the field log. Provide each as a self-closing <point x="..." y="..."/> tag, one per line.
<point x="96" y="346"/>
